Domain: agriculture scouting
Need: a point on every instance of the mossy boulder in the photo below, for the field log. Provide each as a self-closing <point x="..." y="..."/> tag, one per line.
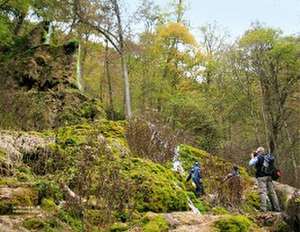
<point x="157" y="187"/>
<point x="236" y="223"/>
<point x="119" y="227"/>
<point x="155" y="223"/>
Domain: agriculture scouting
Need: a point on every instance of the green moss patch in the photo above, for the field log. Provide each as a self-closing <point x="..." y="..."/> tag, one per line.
<point x="155" y="223"/>
<point x="157" y="188"/>
<point x="236" y="223"/>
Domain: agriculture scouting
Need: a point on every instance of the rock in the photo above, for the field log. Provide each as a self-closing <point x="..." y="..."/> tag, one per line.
<point x="16" y="144"/>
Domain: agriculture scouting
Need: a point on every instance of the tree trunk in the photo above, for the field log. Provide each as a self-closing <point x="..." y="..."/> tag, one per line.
<point x="127" y="107"/>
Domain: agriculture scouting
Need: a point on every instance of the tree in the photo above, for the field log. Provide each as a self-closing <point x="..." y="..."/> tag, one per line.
<point x="274" y="61"/>
<point x="93" y="14"/>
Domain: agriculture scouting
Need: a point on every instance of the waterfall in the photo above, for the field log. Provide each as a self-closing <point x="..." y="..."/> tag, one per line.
<point x="49" y="33"/>
<point x="177" y="167"/>
<point x="78" y="68"/>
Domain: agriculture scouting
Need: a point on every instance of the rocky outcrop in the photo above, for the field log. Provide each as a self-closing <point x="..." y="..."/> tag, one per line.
<point x="15" y="144"/>
<point x="37" y="86"/>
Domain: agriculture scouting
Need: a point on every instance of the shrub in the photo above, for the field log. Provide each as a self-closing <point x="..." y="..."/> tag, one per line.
<point x="147" y="140"/>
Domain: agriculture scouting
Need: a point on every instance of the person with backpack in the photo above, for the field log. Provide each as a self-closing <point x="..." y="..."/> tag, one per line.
<point x="264" y="164"/>
<point x="235" y="172"/>
<point x="195" y="175"/>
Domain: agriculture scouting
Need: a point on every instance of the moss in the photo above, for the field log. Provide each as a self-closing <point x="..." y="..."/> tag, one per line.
<point x="251" y="202"/>
<point x="48" y="189"/>
<point x="34" y="224"/>
<point x="73" y="221"/>
<point x="155" y="224"/>
<point x="219" y="211"/>
<point x="201" y="205"/>
<point x="157" y="188"/>
<point x="23" y="196"/>
<point x="49" y="205"/>
<point x="37" y="110"/>
<point x="9" y="181"/>
<point x="236" y="223"/>
<point x="118" y="227"/>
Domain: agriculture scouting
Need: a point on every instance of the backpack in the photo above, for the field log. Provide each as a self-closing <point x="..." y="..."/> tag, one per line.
<point x="268" y="167"/>
<point x="276" y="174"/>
<point x="196" y="173"/>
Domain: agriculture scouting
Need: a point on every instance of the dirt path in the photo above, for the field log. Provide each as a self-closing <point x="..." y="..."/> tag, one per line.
<point x="190" y="222"/>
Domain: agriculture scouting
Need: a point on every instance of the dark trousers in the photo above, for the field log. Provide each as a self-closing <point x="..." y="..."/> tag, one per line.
<point x="199" y="187"/>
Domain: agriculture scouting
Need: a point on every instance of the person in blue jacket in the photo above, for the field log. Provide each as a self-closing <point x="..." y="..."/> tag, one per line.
<point x="195" y="175"/>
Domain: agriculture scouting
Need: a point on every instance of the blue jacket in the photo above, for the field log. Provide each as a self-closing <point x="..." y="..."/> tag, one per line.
<point x="195" y="173"/>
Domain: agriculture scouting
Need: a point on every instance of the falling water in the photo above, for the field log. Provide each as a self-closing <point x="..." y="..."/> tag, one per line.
<point x="78" y="68"/>
<point x="49" y="33"/>
<point x="177" y="167"/>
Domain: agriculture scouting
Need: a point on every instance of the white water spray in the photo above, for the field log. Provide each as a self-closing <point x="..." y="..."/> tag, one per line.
<point x="177" y="167"/>
<point x="78" y="68"/>
<point x="49" y="33"/>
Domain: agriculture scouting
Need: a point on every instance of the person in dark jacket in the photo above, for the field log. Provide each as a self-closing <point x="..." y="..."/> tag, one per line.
<point x="259" y="159"/>
<point x="195" y="175"/>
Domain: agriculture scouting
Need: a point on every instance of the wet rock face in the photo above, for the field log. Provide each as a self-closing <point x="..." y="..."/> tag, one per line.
<point x="47" y="68"/>
<point x="37" y="85"/>
<point x="34" y="65"/>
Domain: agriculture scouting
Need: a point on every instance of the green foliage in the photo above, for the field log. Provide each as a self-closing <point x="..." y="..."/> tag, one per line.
<point x="219" y="211"/>
<point x="236" y="223"/>
<point x="72" y="220"/>
<point x="252" y="202"/>
<point x="48" y="190"/>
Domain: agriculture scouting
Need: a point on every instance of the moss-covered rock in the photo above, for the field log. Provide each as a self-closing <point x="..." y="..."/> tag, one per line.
<point x="34" y="110"/>
<point x="155" y="223"/>
<point x="157" y="187"/>
<point x="119" y="227"/>
<point x="236" y="223"/>
<point x="18" y="196"/>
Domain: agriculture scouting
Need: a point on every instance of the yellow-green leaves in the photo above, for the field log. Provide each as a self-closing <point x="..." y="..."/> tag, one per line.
<point x="178" y="31"/>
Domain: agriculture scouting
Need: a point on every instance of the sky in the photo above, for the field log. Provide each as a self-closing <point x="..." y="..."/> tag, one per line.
<point x="236" y="16"/>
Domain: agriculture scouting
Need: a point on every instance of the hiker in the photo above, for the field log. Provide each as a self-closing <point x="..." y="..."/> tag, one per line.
<point x="234" y="185"/>
<point x="264" y="163"/>
<point x="234" y="173"/>
<point x="195" y="175"/>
